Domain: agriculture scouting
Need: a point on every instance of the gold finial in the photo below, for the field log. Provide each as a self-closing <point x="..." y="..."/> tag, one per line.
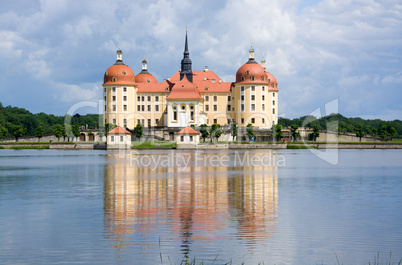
<point x="119" y="45"/>
<point x="251" y="43"/>
<point x="144" y="56"/>
<point x="263" y="54"/>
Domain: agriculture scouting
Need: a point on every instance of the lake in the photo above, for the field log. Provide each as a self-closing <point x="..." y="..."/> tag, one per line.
<point x="161" y="207"/>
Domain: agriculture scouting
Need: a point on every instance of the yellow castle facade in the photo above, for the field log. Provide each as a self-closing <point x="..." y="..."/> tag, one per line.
<point x="190" y="97"/>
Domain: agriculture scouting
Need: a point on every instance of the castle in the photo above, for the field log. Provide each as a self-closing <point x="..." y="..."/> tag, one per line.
<point x="190" y="97"/>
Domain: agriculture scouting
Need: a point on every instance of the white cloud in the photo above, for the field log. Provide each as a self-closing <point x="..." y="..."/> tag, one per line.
<point x="332" y="49"/>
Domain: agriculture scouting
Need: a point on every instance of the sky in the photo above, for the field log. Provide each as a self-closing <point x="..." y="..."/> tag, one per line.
<point x="54" y="53"/>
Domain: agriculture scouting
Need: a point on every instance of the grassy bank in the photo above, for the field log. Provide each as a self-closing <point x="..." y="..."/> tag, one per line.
<point x="154" y="145"/>
<point x="26" y="147"/>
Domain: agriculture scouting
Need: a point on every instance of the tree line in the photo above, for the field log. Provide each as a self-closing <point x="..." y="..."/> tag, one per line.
<point x="17" y="122"/>
<point x="341" y="124"/>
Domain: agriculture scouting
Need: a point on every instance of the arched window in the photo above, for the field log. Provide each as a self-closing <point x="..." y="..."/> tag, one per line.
<point x="191" y="112"/>
<point x="114" y="79"/>
<point x="175" y="113"/>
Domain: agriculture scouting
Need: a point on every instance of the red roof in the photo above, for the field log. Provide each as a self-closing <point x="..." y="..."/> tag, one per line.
<point x="145" y="78"/>
<point x="249" y="71"/>
<point x="188" y="130"/>
<point x="163" y="87"/>
<point x="184" y="89"/>
<point x="206" y="82"/>
<point x="119" y="74"/>
<point x="119" y="130"/>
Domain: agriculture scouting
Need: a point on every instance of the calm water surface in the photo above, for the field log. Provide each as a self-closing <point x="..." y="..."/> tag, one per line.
<point x="282" y="207"/>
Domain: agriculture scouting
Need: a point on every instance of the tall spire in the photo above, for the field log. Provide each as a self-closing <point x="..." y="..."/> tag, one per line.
<point x="186" y="63"/>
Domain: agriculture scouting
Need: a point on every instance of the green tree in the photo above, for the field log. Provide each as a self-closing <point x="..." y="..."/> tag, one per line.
<point x="316" y="132"/>
<point x="392" y="133"/>
<point x="359" y="132"/>
<point x="139" y="131"/>
<point x="76" y="131"/>
<point x="3" y="132"/>
<point x="374" y="131"/>
<point x="233" y="130"/>
<point x="68" y="131"/>
<point x="192" y="126"/>
<point x="250" y="131"/>
<point x="17" y="132"/>
<point x="215" y="132"/>
<point x="204" y="132"/>
<point x="383" y="132"/>
<point x="276" y="132"/>
<point x="64" y="132"/>
<point x="39" y="132"/>
<point x="58" y="132"/>
<point x="90" y="133"/>
<point x="294" y="132"/>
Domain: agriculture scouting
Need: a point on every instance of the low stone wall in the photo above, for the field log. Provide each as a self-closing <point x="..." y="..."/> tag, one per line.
<point x="351" y="145"/>
<point x="71" y="146"/>
<point x="240" y="146"/>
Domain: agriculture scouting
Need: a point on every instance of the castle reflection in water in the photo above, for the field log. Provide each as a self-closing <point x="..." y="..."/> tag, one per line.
<point x="144" y="204"/>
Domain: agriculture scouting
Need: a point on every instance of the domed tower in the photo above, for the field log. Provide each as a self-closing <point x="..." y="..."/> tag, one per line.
<point x="252" y="92"/>
<point x="118" y="92"/>
<point x="144" y="76"/>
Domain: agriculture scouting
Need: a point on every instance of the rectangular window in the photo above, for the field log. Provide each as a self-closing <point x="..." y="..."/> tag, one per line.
<point x="156" y="107"/>
<point x="215" y="98"/>
<point x="114" y="107"/>
<point x="229" y="107"/>
<point x="105" y="98"/>
<point x="242" y="88"/>
<point x="253" y="107"/>
<point x="149" y="98"/>
<point x="207" y="121"/>
<point x="156" y="122"/>
<point x="125" y="122"/>
<point x="242" y="120"/>
<point x="273" y="111"/>
<point x="105" y="89"/>
<point x="206" y="98"/>
<point x="114" y="98"/>
<point x="252" y="88"/>
<point x="242" y="107"/>
<point x="149" y="107"/>
<point x="263" y="107"/>
<point x="114" y="121"/>
<point x="273" y="102"/>
<point x="125" y="98"/>
<point x="229" y="98"/>
<point x="112" y="138"/>
<point x="142" y="122"/>
<point x="124" y="89"/>
<point x="125" y="107"/>
<point x="273" y="94"/>
<point x="215" y="107"/>
<point x="263" y="120"/>
<point x="263" y="97"/>
<point x="149" y="122"/>
<point x="252" y="120"/>
<point x="181" y="138"/>
<point x="206" y="107"/>
<point x="113" y="89"/>
<point x="242" y="97"/>
<point x="142" y="107"/>
<point x="138" y="98"/>
<point x="142" y="98"/>
<point x="191" y="138"/>
<point x="215" y="121"/>
<point x="156" y="98"/>
<point x="252" y="97"/>
<point x="263" y="88"/>
<point x="138" y="121"/>
<point x="138" y="108"/>
<point x="121" y="139"/>
<point x="228" y="121"/>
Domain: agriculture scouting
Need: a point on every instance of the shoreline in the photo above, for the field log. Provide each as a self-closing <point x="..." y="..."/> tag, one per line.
<point x="210" y="146"/>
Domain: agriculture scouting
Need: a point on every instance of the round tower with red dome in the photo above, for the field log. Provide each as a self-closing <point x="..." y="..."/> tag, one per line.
<point x="118" y="92"/>
<point x="255" y="91"/>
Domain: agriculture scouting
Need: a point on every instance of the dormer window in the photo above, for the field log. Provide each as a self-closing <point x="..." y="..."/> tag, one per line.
<point x="247" y="72"/>
<point x="252" y="78"/>
<point x="114" y="79"/>
<point x="262" y="78"/>
<point x="149" y="81"/>
<point x="242" y="78"/>
<point x="124" y="72"/>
